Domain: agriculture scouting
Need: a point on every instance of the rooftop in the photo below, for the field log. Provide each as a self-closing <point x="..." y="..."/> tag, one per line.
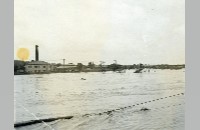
<point x="37" y="63"/>
<point x="66" y="66"/>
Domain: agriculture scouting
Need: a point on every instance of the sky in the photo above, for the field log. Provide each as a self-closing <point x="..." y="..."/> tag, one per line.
<point x="129" y="31"/>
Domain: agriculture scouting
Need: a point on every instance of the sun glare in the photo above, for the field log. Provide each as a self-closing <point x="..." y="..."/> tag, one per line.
<point x="23" y="54"/>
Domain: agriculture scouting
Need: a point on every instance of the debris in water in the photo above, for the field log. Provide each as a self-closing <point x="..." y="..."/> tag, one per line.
<point x="144" y="109"/>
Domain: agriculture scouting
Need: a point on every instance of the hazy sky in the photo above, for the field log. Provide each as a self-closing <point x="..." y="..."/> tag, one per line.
<point x="129" y="31"/>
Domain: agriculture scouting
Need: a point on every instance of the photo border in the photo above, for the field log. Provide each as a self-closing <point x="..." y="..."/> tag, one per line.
<point x="7" y="49"/>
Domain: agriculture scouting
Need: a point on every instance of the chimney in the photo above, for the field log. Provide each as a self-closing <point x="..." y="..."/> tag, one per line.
<point x="36" y="53"/>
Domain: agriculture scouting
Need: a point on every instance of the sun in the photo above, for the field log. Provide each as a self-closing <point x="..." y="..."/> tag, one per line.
<point x="23" y="54"/>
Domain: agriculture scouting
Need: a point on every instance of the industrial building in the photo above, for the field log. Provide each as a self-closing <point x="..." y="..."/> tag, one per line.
<point x="67" y="68"/>
<point x="37" y="66"/>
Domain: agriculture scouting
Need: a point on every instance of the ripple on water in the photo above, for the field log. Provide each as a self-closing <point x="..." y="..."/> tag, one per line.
<point x="65" y="94"/>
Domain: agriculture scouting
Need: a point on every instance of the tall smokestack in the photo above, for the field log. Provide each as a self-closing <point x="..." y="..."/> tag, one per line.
<point x="36" y="53"/>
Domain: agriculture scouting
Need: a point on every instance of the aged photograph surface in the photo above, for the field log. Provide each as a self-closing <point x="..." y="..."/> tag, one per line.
<point x="99" y="64"/>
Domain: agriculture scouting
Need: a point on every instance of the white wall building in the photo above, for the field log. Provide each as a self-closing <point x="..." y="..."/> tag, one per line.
<point x="38" y="67"/>
<point x="66" y="68"/>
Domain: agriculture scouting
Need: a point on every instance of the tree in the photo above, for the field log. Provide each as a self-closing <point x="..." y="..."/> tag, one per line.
<point x="59" y="64"/>
<point x="141" y="65"/>
<point x="19" y="65"/>
<point x="91" y="65"/>
<point x="80" y="67"/>
<point x="115" y="67"/>
<point x="102" y="65"/>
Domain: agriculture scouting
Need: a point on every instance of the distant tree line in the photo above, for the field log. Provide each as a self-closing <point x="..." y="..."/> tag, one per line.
<point x="19" y="65"/>
<point x="91" y="67"/>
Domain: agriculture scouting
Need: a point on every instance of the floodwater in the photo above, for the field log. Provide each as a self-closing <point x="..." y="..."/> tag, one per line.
<point x="66" y="94"/>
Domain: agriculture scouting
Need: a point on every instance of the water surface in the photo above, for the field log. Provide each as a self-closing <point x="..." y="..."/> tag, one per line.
<point x="65" y="94"/>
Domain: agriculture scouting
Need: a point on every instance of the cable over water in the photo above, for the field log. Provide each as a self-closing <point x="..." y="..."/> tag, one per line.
<point x="109" y="112"/>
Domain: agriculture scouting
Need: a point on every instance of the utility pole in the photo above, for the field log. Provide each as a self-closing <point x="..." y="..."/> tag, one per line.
<point x="102" y="62"/>
<point x="63" y="61"/>
<point x="102" y="65"/>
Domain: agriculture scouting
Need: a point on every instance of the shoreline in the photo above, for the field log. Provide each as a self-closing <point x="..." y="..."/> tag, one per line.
<point x="118" y="71"/>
